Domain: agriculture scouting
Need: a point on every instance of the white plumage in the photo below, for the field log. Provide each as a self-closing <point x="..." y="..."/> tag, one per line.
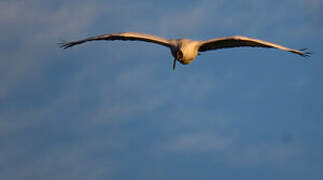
<point x="186" y="50"/>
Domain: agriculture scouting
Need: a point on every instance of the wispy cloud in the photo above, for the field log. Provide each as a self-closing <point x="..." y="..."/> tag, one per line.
<point x="32" y="29"/>
<point x="197" y="142"/>
<point x="266" y="153"/>
<point x="78" y="160"/>
<point x="231" y="152"/>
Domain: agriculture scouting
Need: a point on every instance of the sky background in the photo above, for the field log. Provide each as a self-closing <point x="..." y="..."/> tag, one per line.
<point x="117" y="110"/>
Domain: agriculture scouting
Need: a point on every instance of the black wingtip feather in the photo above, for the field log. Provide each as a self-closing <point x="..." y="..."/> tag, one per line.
<point x="65" y="44"/>
<point x="305" y="53"/>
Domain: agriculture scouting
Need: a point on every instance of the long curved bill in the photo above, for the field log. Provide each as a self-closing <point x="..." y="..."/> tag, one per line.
<point x="174" y="64"/>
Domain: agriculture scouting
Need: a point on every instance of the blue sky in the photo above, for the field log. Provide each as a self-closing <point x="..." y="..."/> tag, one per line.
<point x="117" y="110"/>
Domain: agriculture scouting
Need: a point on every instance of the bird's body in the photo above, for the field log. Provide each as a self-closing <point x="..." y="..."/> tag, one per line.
<point x="186" y="50"/>
<point x="187" y="47"/>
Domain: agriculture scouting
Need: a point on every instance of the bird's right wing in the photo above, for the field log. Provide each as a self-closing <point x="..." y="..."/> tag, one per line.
<point x="121" y="36"/>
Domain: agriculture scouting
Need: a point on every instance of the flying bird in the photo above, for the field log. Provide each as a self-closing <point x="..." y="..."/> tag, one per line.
<point x="186" y="50"/>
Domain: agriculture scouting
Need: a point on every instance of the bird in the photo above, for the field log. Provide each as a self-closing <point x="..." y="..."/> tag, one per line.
<point x="185" y="50"/>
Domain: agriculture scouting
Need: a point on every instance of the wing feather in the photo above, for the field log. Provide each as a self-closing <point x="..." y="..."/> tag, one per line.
<point x="120" y="36"/>
<point x="241" y="41"/>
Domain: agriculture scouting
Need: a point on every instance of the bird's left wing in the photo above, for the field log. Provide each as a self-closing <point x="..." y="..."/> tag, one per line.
<point x="240" y="41"/>
<point x="121" y="36"/>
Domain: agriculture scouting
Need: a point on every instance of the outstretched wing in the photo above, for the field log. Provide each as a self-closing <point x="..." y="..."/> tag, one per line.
<point x="120" y="36"/>
<point x="240" y="41"/>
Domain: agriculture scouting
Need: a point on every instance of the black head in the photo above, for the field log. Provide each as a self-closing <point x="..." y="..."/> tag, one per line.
<point x="179" y="55"/>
